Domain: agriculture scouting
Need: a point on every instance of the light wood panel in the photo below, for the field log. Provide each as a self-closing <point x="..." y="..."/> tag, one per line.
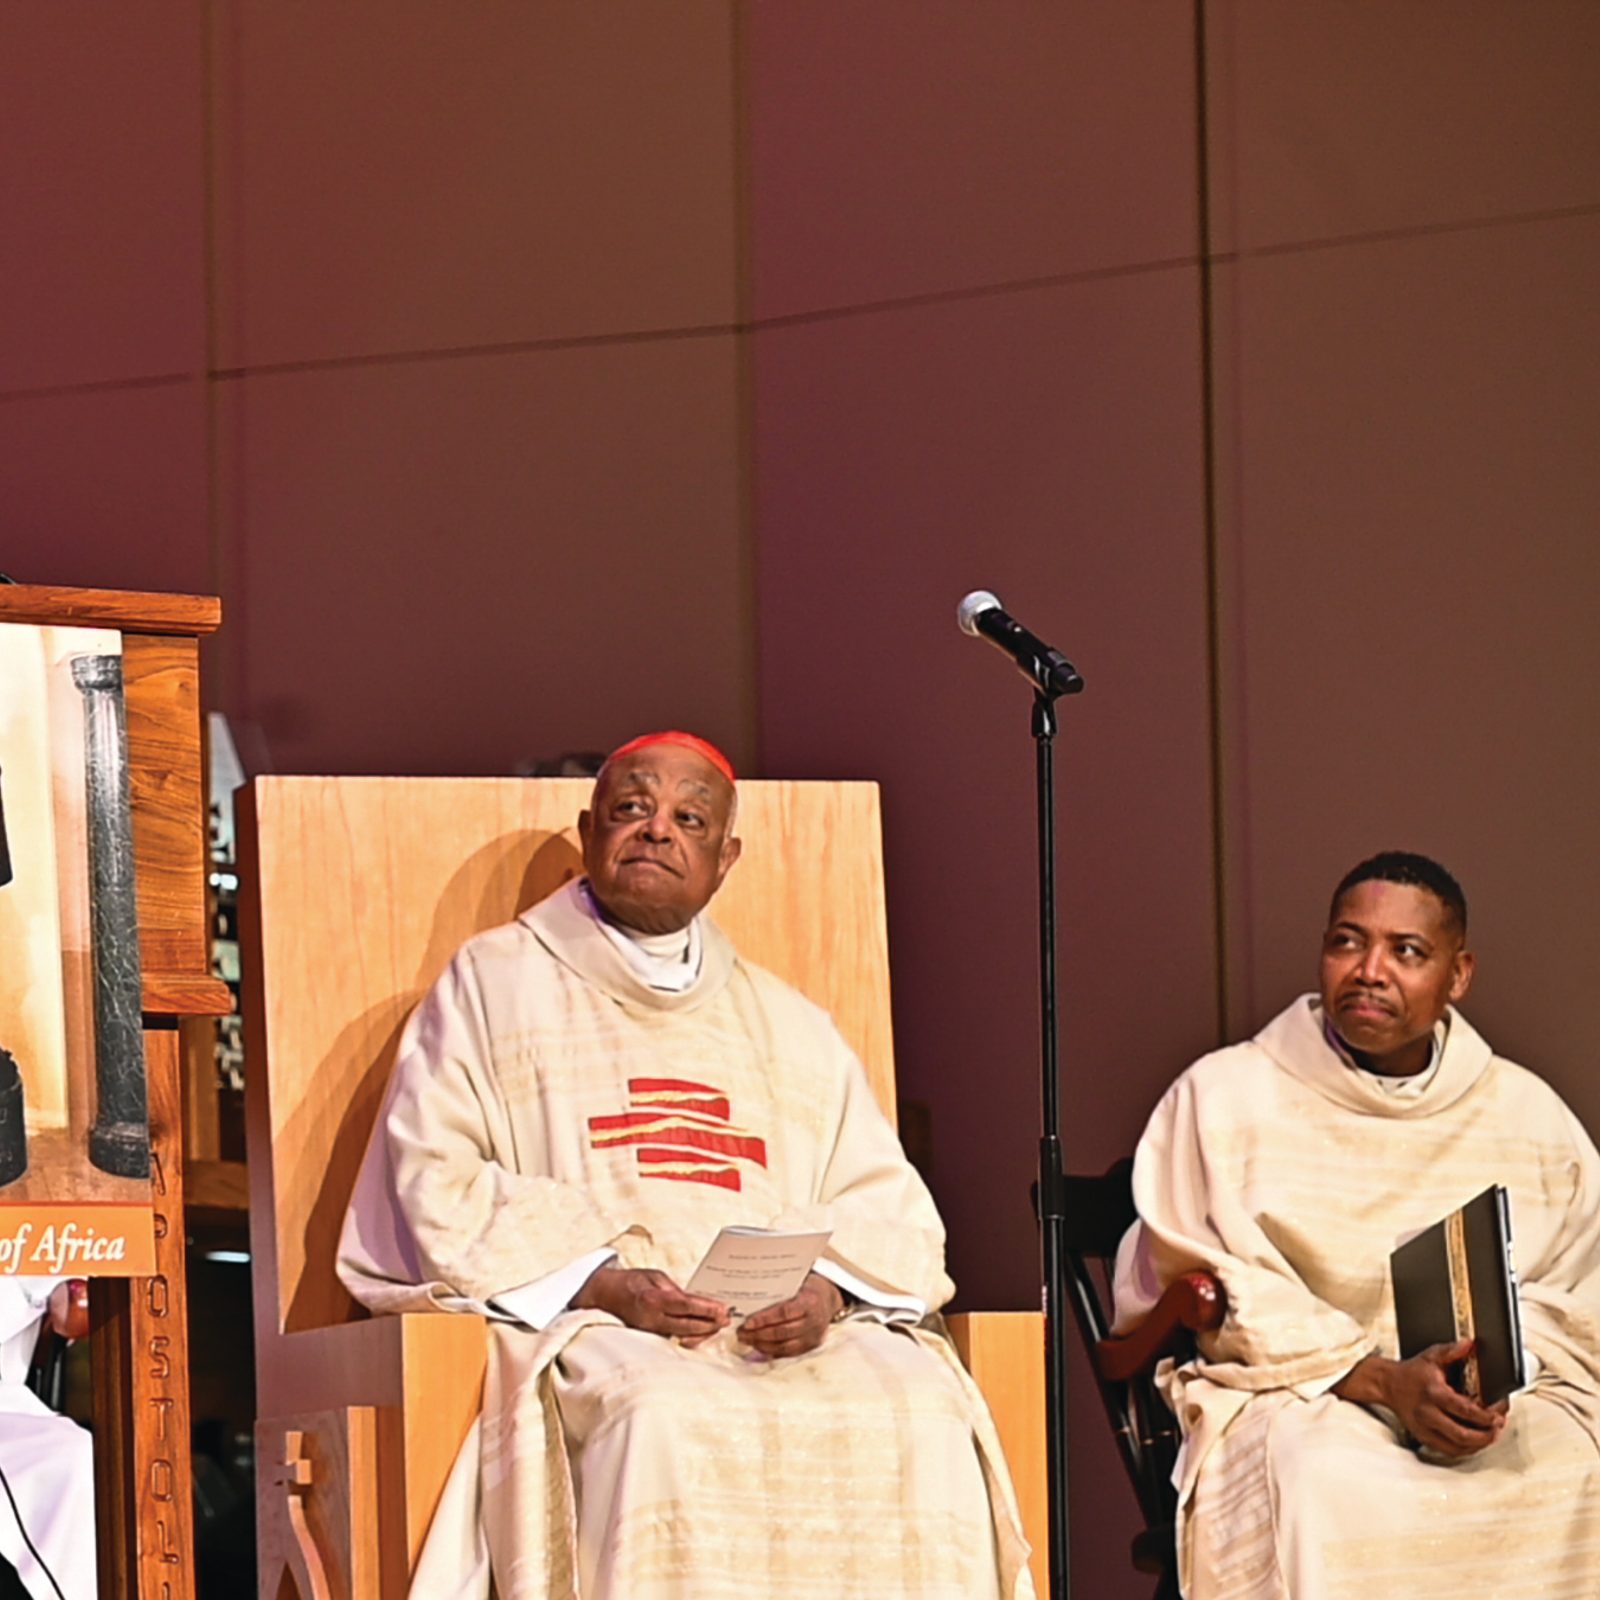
<point x="1004" y="1352"/>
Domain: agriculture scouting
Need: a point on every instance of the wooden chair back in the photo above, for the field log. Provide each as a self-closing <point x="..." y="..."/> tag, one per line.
<point x="354" y="894"/>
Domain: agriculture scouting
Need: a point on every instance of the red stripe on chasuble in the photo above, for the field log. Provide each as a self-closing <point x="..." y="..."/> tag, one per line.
<point x="685" y="1134"/>
<point x="626" y="1121"/>
<point x="741" y="1147"/>
<point x="717" y="1110"/>
<point x="679" y="1094"/>
<point x="638" y="1086"/>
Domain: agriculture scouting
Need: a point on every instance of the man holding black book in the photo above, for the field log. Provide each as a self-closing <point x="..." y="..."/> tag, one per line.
<point x="1316" y="1461"/>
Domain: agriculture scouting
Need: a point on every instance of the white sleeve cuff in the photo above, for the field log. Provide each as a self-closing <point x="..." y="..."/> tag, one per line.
<point x="539" y="1303"/>
<point x="900" y="1307"/>
<point x="1314" y="1388"/>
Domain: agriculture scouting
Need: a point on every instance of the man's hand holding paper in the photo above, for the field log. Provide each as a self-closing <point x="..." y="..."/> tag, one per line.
<point x="647" y="1299"/>
<point x="796" y="1325"/>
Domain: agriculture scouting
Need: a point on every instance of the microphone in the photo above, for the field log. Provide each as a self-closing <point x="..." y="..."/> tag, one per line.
<point x="1047" y="670"/>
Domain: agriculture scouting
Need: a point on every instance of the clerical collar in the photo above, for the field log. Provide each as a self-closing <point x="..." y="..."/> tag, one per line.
<point x="1397" y="1088"/>
<point x="668" y="962"/>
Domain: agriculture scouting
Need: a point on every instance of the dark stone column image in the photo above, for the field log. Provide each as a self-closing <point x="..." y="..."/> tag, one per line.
<point x="5" y="848"/>
<point x="119" y="1142"/>
<point x="13" y="1135"/>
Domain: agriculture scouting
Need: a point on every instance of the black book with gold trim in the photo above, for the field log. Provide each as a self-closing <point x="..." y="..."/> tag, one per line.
<point x="1457" y="1280"/>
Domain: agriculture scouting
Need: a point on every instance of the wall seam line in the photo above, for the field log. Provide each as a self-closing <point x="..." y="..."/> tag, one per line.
<point x="1208" y="470"/>
<point x="749" y="546"/>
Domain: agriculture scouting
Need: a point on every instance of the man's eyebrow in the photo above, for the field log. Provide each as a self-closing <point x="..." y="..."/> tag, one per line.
<point x="1394" y="936"/>
<point x="697" y="786"/>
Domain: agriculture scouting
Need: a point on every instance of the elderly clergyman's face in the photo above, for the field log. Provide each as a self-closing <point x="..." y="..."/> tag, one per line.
<point x="657" y="839"/>
<point x="1392" y="960"/>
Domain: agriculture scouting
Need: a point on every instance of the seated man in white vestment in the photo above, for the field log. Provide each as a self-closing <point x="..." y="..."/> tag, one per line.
<point x="581" y="1102"/>
<point x="1315" y="1463"/>
<point x="47" y="1461"/>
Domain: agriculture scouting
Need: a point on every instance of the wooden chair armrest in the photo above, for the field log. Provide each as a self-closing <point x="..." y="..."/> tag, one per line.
<point x="1196" y="1302"/>
<point x="69" y="1308"/>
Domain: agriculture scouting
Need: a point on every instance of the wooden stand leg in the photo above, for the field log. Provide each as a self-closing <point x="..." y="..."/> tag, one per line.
<point x="139" y="1356"/>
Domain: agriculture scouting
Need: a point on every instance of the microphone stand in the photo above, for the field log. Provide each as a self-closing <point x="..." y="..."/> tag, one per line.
<point x="1051" y="676"/>
<point x="1052" y="1179"/>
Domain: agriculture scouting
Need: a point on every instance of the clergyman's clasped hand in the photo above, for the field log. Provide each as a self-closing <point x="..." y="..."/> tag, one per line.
<point x="1418" y="1392"/>
<point x="796" y="1325"/>
<point x="647" y="1299"/>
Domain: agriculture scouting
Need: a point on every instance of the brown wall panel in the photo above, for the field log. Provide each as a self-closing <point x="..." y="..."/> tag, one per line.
<point x="1410" y="493"/>
<point x="102" y="252"/>
<point x="400" y="176"/>
<point x="448" y="566"/>
<point x="106" y="488"/>
<point x="910" y="148"/>
<point x="1045" y="444"/>
<point x="1331" y="117"/>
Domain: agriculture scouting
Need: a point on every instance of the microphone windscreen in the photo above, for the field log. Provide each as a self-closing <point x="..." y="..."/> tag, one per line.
<point x="973" y="607"/>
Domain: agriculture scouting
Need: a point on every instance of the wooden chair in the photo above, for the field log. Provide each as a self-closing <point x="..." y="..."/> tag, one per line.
<point x="354" y="894"/>
<point x="1099" y="1212"/>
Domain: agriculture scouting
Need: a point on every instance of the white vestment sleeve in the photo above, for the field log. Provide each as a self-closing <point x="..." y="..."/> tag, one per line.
<point x="539" y="1303"/>
<point x="23" y="1300"/>
<point x="23" y="1303"/>
<point x="900" y="1307"/>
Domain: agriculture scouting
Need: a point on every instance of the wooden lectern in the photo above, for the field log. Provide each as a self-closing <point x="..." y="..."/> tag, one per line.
<point x="354" y="893"/>
<point x="139" y="1328"/>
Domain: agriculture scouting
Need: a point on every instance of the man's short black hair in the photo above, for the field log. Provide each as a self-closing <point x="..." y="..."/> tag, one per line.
<point x="1407" y="867"/>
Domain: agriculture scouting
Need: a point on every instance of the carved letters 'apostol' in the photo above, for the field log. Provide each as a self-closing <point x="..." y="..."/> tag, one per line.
<point x="161" y="1506"/>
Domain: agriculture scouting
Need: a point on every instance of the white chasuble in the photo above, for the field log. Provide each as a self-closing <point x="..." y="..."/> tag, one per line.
<point x="547" y="1103"/>
<point x="1292" y="1176"/>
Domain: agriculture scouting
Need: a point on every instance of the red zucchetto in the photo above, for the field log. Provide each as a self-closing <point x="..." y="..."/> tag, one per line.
<point x="688" y="741"/>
